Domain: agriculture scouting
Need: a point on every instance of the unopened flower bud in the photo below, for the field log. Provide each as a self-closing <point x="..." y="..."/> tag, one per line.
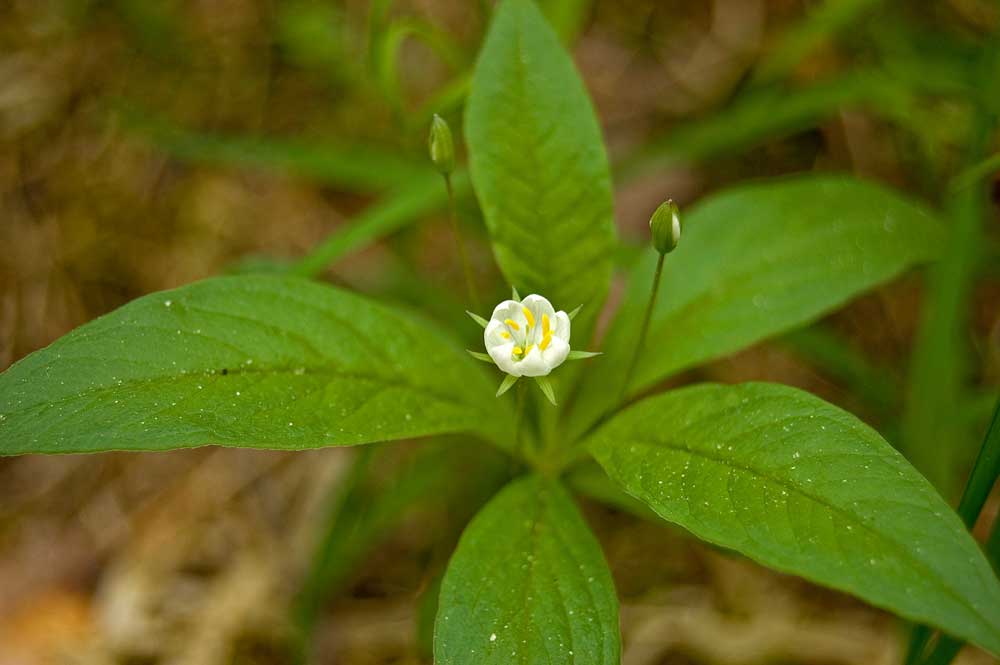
<point x="665" y="226"/>
<point x="441" y="146"/>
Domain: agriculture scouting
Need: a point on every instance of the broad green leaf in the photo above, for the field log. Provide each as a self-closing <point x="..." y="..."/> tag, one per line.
<point x="804" y="487"/>
<point x="385" y="484"/>
<point x="755" y="261"/>
<point x="538" y="164"/>
<point x="257" y="361"/>
<point x="984" y="476"/>
<point x="528" y="584"/>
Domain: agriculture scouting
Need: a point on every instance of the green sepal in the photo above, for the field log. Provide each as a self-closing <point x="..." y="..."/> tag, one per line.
<point x="480" y="356"/>
<point x="478" y="319"/>
<point x="514" y="294"/>
<point x="575" y="312"/>
<point x="579" y="355"/>
<point x="508" y="381"/>
<point x="546" y="386"/>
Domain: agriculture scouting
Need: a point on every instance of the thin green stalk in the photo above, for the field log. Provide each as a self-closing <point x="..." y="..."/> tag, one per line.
<point x="522" y="390"/>
<point x="645" y="328"/>
<point x="463" y="255"/>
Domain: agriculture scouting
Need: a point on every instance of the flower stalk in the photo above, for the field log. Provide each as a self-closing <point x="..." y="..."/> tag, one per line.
<point x="442" y="151"/>
<point x="665" y="229"/>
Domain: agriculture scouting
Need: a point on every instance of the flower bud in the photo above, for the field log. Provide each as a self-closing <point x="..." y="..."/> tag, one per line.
<point x="441" y="146"/>
<point x="665" y="226"/>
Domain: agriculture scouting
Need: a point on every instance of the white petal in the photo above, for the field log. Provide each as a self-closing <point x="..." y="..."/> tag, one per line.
<point x="539" y="305"/>
<point x="533" y="364"/>
<point x="506" y="310"/>
<point x="562" y="325"/>
<point x="503" y="356"/>
<point x="555" y="353"/>
<point x="493" y="335"/>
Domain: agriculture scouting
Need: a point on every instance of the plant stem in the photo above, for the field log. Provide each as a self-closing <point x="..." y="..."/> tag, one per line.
<point x="463" y="255"/>
<point x="645" y="328"/>
<point x="522" y="391"/>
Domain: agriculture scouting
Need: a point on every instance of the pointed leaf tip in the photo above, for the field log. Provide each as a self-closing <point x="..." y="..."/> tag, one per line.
<point x="546" y="386"/>
<point x="478" y="319"/>
<point x="508" y="381"/>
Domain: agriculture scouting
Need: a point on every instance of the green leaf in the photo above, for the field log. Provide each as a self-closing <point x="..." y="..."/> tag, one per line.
<point x="538" y="164"/>
<point x="755" y="261"/>
<point x="528" y="584"/>
<point x="801" y="486"/>
<point x="256" y="361"/>
<point x="546" y="387"/>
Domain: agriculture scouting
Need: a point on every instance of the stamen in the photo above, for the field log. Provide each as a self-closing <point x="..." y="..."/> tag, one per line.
<point x="512" y="323"/>
<point x="518" y="351"/>
<point x="546" y="328"/>
<point x="528" y="315"/>
<point x="505" y="334"/>
<point x="546" y="340"/>
<point x="528" y="349"/>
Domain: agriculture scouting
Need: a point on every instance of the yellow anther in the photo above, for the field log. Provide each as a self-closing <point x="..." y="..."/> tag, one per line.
<point x="518" y="351"/>
<point x="505" y="334"/>
<point x="546" y="328"/>
<point x="546" y="340"/>
<point x="528" y="349"/>
<point x="512" y="323"/>
<point x="528" y="315"/>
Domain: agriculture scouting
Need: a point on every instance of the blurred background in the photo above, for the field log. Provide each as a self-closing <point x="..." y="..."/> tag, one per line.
<point x="145" y="144"/>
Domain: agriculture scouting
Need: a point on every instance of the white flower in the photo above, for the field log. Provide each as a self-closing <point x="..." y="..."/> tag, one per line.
<point x="527" y="338"/>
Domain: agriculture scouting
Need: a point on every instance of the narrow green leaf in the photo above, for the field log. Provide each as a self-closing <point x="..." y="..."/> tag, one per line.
<point x="256" y="361"/>
<point x="395" y="211"/>
<point x="801" y="486"/>
<point x="528" y="584"/>
<point x="580" y="355"/>
<point x="547" y="389"/>
<point x="355" y="166"/>
<point x="763" y="113"/>
<point x="538" y="163"/>
<point x="758" y="260"/>
<point x="505" y="385"/>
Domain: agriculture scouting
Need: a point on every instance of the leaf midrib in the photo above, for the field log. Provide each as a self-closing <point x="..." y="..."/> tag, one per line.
<point x="721" y="461"/>
<point x="297" y="370"/>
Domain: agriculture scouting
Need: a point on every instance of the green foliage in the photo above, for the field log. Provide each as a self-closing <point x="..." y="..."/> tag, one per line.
<point x="253" y="361"/>
<point x="394" y="212"/>
<point x="981" y="481"/>
<point x="275" y="361"/>
<point x="538" y="164"/>
<point x="803" y="487"/>
<point x="528" y="584"/>
<point x="758" y="260"/>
